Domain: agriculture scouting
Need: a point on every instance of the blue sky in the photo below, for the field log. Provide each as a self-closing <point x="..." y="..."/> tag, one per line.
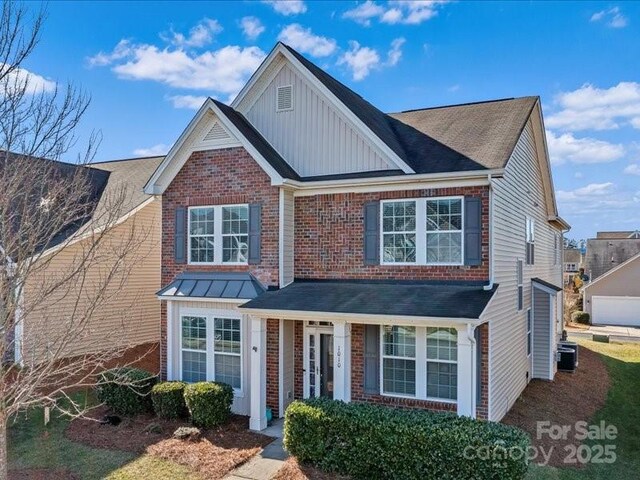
<point x="149" y="65"/>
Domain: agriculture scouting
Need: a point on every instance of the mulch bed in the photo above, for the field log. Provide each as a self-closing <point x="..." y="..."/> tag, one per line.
<point x="570" y="398"/>
<point x="40" y="474"/>
<point x="292" y="470"/>
<point x="219" y="451"/>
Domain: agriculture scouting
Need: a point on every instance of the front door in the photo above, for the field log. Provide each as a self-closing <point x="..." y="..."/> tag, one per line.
<point x="318" y="370"/>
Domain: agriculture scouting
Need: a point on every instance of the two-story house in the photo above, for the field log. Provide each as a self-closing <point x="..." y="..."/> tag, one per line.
<point x="314" y="245"/>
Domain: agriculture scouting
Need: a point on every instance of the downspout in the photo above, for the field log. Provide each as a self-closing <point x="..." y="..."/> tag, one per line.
<point x="491" y="248"/>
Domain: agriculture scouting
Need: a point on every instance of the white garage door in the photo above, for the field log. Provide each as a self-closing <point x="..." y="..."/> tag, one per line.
<point x="616" y="311"/>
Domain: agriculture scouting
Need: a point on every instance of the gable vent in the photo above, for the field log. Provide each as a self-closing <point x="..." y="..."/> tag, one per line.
<point x="216" y="133"/>
<point x="284" y="98"/>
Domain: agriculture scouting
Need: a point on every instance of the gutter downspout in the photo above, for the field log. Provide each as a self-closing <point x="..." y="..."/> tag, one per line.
<point x="491" y="247"/>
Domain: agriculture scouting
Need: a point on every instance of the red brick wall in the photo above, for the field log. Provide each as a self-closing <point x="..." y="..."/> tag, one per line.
<point x="273" y="370"/>
<point x="357" y="380"/>
<point x="329" y="232"/>
<point x="298" y="360"/>
<point x="219" y="177"/>
<point x="482" y="408"/>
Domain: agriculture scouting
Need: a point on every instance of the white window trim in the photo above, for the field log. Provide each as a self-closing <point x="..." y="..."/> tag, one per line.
<point x="421" y="231"/>
<point x="217" y="234"/>
<point x="421" y="367"/>
<point x="529" y="326"/>
<point x="530" y="237"/>
<point x="519" y="283"/>
<point x="210" y="316"/>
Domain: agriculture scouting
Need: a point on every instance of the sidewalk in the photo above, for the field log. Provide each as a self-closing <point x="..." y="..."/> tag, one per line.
<point x="618" y="334"/>
<point x="267" y="463"/>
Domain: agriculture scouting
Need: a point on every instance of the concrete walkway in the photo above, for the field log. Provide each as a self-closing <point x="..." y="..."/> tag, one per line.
<point x="267" y="463"/>
<point x="618" y="334"/>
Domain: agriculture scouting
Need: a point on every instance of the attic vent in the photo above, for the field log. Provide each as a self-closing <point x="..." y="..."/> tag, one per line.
<point x="284" y="98"/>
<point x="216" y="133"/>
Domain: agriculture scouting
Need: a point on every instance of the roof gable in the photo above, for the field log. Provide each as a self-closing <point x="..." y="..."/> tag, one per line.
<point x="633" y="261"/>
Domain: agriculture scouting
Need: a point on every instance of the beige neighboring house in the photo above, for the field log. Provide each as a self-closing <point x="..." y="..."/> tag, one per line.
<point x="128" y="316"/>
<point x="572" y="263"/>
<point x="614" y="297"/>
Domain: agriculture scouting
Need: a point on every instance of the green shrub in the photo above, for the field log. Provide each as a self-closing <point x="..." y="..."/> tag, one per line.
<point x="581" y="317"/>
<point x="358" y="439"/>
<point x="209" y="403"/>
<point x="168" y="399"/>
<point x="126" y="390"/>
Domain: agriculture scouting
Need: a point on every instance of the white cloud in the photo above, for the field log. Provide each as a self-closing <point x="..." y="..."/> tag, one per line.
<point x="613" y="18"/>
<point x="156" y="150"/>
<point x="193" y="102"/>
<point x="32" y="83"/>
<point x="592" y="108"/>
<point x="633" y="169"/>
<point x="305" y="41"/>
<point x="567" y="148"/>
<point x="199" y="35"/>
<point x="287" y="7"/>
<point x="410" y="12"/>
<point x="252" y="27"/>
<point x="594" y="199"/>
<point x="360" y="60"/>
<point x="395" y="53"/>
<point x="224" y="70"/>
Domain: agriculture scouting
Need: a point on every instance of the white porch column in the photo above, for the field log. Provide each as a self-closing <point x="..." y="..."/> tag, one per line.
<point x="466" y="371"/>
<point x="258" y="419"/>
<point x="342" y="361"/>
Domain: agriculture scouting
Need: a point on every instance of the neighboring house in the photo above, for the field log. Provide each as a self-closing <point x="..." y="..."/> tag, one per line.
<point x="122" y="215"/>
<point x="614" y="297"/>
<point x="572" y="261"/>
<point x="608" y="250"/>
<point x="313" y="245"/>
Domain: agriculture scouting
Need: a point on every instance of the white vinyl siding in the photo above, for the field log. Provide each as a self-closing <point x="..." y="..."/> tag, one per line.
<point x="518" y="194"/>
<point x="325" y="142"/>
<point x="541" y="334"/>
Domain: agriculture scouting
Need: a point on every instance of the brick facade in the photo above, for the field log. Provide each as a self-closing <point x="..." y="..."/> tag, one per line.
<point x="329" y="231"/>
<point x="219" y="177"/>
<point x="273" y="366"/>
<point x="482" y="407"/>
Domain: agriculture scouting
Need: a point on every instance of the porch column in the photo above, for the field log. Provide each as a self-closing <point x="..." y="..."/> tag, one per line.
<point x="342" y="361"/>
<point x="258" y="419"/>
<point x="466" y="371"/>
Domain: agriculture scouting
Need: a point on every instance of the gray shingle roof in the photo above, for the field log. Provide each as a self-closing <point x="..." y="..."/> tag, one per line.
<point x="423" y="299"/>
<point x="546" y="284"/>
<point x="231" y="285"/>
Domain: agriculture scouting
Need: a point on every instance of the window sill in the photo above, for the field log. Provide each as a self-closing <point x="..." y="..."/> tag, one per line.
<point x="398" y="264"/>
<point x="224" y="264"/>
<point x="428" y="399"/>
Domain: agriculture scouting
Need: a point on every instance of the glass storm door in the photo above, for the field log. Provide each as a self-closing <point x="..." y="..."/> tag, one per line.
<point x="319" y="364"/>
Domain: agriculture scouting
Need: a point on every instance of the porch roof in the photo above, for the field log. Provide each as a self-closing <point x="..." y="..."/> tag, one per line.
<point x="393" y="298"/>
<point x="207" y="285"/>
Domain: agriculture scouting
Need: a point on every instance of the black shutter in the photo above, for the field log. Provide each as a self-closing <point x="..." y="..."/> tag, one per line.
<point x="255" y="227"/>
<point x="372" y="359"/>
<point x="372" y="233"/>
<point x="180" y="235"/>
<point x="472" y="231"/>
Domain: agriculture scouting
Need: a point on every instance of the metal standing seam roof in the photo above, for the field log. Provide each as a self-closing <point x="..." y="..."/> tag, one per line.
<point x="421" y="299"/>
<point x="231" y="285"/>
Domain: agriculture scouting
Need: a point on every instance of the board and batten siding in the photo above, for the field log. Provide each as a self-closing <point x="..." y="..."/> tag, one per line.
<point x="175" y="310"/>
<point x="541" y="333"/>
<point x="518" y="194"/>
<point x="287" y="233"/>
<point x="324" y="142"/>
<point x="128" y="314"/>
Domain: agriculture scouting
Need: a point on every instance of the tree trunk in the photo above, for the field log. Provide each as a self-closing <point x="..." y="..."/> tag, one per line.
<point x="3" y="447"/>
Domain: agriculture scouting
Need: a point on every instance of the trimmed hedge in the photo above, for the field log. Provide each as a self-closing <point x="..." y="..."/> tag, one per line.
<point x="168" y="400"/>
<point x="126" y="390"/>
<point x="359" y="439"/>
<point x="581" y="317"/>
<point x="209" y="403"/>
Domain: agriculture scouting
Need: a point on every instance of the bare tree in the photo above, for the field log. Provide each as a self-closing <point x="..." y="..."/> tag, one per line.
<point x="53" y="214"/>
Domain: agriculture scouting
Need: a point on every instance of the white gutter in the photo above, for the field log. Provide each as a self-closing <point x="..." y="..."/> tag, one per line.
<point x="491" y="246"/>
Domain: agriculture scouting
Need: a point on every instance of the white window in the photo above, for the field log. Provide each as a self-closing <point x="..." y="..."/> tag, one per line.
<point x="194" y="349"/>
<point x="529" y="335"/>
<point x="399" y="360"/>
<point x="211" y="349"/>
<point x="219" y="234"/>
<point x="520" y="284"/>
<point x="530" y="232"/>
<point x="442" y="363"/>
<point x="419" y="362"/>
<point x="424" y="231"/>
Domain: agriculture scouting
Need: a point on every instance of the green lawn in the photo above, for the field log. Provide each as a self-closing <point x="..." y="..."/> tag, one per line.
<point x="32" y="445"/>
<point x="622" y="410"/>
